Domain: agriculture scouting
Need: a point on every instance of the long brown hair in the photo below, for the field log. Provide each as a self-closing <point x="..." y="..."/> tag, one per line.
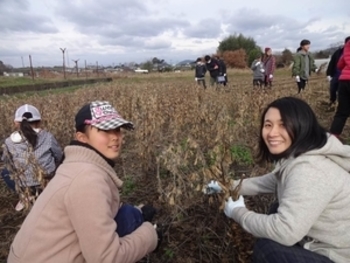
<point x="27" y="130"/>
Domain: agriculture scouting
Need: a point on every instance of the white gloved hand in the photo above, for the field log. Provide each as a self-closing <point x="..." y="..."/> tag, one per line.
<point x="225" y="75"/>
<point x="262" y="70"/>
<point x="329" y="78"/>
<point x="297" y="79"/>
<point x="257" y="63"/>
<point x="212" y="188"/>
<point x="271" y="76"/>
<point x="195" y="79"/>
<point x="231" y="205"/>
<point x="316" y="70"/>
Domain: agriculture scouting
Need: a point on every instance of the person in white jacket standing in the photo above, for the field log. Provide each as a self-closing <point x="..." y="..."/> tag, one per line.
<point x="311" y="181"/>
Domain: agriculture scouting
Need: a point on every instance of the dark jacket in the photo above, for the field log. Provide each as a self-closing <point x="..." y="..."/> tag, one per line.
<point x="222" y="67"/>
<point x="332" y="69"/>
<point x="200" y="70"/>
<point x="213" y="68"/>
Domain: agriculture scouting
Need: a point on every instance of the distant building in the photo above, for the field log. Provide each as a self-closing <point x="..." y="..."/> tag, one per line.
<point x="13" y="74"/>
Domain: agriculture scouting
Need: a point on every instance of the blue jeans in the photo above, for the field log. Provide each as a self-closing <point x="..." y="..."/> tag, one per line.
<point x="5" y="174"/>
<point x="268" y="251"/>
<point x="128" y="219"/>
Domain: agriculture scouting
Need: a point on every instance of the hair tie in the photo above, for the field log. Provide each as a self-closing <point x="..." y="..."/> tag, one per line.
<point x="24" y="118"/>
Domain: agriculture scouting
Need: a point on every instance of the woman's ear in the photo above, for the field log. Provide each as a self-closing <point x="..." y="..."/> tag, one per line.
<point x="81" y="137"/>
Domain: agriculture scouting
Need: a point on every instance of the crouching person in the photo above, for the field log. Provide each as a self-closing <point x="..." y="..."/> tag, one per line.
<point x="73" y="220"/>
<point x="311" y="182"/>
<point x="31" y="155"/>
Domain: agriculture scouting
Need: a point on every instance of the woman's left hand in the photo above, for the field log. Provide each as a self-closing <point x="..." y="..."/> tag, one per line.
<point x="230" y="205"/>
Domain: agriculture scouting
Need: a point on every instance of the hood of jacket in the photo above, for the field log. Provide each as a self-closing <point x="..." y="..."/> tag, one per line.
<point x="333" y="150"/>
<point x="303" y="52"/>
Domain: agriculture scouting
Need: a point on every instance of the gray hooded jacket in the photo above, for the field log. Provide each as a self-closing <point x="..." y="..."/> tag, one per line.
<point x="313" y="191"/>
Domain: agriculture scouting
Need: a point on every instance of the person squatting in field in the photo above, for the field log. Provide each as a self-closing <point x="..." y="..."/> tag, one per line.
<point x="303" y="65"/>
<point x="311" y="182"/>
<point x="27" y="149"/>
<point x="200" y="71"/>
<point x="269" y="61"/>
<point x="343" y="108"/>
<point x="333" y="73"/>
<point x="258" y="72"/>
<point x="213" y="68"/>
<point x="76" y="218"/>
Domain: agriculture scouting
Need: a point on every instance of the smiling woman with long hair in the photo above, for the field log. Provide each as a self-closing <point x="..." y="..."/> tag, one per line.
<point x="311" y="182"/>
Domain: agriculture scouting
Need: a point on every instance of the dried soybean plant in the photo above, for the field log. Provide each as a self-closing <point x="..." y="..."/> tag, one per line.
<point x="18" y="172"/>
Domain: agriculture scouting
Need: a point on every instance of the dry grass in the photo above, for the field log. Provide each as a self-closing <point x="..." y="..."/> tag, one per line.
<point x="184" y="137"/>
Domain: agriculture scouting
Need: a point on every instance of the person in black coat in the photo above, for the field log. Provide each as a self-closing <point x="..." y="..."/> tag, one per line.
<point x="213" y="68"/>
<point x="200" y="71"/>
<point x="222" y="70"/>
<point x="333" y="73"/>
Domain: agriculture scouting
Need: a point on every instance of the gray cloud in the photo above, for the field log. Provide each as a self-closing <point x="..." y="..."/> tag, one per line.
<point x="126" y="22"/>
<point x="111" y="31"/>
<point x="15" y="16"/>
<point x="158" y="44"/>
<point x="278" y="30"/>
<point x="206" y="28"/>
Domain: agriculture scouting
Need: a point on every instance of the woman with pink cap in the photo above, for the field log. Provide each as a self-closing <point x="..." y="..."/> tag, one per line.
<point x="270" y="65"/>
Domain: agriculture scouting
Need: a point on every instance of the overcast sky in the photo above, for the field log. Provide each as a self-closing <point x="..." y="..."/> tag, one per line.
<point x="117" y="31"/>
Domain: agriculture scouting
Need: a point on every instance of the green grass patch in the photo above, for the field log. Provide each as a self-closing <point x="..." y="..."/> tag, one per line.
<point x="242" y="155"/>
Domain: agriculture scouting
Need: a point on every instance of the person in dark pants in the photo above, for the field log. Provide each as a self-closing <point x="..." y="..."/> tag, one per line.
<point x="200" y="71"/>
<point x="333" y="73"/>
<point x="268" y="251"/>
<point x="222" y="70"/>
<point x="343" y="109"/>
<point x="303" y="65"/>
<point x="310" y="180"/>
<point x="265" y="250"/>
<point x="258" y="72"/>
<point x="213" y="68"/>
<point x="129" y="218"/>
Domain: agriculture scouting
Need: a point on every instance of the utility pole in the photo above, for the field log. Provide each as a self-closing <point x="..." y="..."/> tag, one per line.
<point x="86" y="70"/>
<point x="97" y="68"/>
<point x="64" y="62"/>
<point x="22" y="62"/>
<point x="76" y="66"/>
<point x="31" y="66"/>
<point x="68" y="59"/>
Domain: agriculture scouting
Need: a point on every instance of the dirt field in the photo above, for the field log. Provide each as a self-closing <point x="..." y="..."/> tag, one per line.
<point x="184" y="137"/>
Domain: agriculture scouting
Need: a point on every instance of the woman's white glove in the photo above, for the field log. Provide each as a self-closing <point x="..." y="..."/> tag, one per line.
<point x="231" y="205"/>
<point x="271" y="76"/>
<point x="329" y="78"/>
<point x="297" y="79"/>
<point x="212" y="188"/>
